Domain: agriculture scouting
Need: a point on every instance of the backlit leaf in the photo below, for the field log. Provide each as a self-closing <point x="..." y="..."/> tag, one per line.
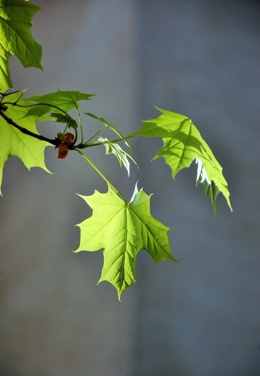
<point x="122" y="230"/>
<point x="15" y="143"/>
<point x="16" y="38"/>
<point x="183" y="144"/>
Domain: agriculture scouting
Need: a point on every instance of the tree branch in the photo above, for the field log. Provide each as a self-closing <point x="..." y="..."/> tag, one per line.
<point x="55" y="141"/>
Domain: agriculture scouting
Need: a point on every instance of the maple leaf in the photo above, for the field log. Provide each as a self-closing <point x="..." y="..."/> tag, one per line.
<point x="16" y="38"/>
<point x="122" y="230"/>
<point x="15" y="143"/>
<point x="183" y="144"/>
<point x="60" y="100"/>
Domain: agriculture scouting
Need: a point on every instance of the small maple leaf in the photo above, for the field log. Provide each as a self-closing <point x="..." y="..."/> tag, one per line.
<point x="121" y="155"/>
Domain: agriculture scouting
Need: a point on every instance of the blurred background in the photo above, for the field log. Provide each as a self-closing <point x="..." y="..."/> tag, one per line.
<point x="199" y="317"/>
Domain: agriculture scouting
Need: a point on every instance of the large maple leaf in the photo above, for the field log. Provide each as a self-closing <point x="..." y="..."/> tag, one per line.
<point x="15" y="143"/>
<point x="184" y="144"/>
<point x="16" y="38"/>
<point x="123" y="230"/>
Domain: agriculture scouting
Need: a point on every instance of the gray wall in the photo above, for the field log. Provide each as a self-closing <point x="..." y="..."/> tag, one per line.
<point x="199" y="317"/>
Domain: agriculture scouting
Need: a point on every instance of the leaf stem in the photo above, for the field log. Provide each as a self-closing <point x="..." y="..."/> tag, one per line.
<point x="91" y="138"/>
<point x="97" y="143"/>
<point x="80" y="122"/>
<point x="101" y="174"/>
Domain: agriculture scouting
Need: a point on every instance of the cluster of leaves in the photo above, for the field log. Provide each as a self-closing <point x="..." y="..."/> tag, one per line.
<point x="122" y="229"/>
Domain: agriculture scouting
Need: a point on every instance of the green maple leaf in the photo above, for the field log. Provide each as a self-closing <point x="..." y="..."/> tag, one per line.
<point x="15" y="143"/>
<point x="60" y="99"/>
<point x="183" y="144"/>
<point x="16" y="38"/>
<point x="122" y="229"/>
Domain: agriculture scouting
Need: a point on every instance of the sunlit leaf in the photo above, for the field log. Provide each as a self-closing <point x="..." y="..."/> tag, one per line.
<point x="183" y="144"/>
<point x="15" y="143"/>
<point x="122" y="230"/>
<point x="16" y="38"/>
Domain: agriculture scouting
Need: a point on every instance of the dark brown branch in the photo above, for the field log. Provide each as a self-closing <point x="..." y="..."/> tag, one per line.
<point x="55" y="142"/>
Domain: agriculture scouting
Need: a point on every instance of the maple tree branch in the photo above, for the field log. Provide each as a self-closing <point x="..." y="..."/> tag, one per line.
<point x="55" y="141"/>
